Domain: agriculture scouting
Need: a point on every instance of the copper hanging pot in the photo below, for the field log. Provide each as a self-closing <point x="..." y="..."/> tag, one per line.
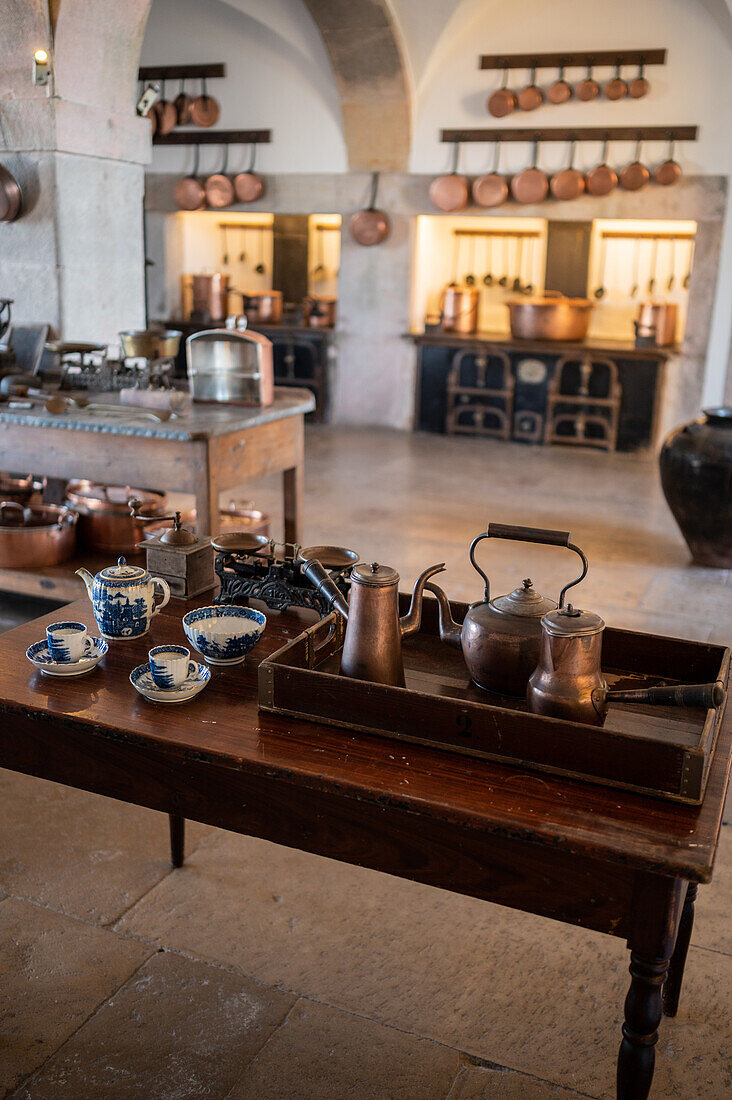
<point x="450" y="193"/>
<point x="182" y="104"/>
<point x="11" y="198"/>
<point x="166" y="114"/>
<point x="249" y="185"/>
<point x="189" y="193"/>
<point x="205" y="110"/>
<point x="602" y="179"/>
<point x="639" y="86"/>
<point x="588" y="88"/>
<point x="616" y="88"/>
<point x="491" y="189"/>
<point x="531" y="185"/>
<point x="530" y="97"/>
<point x="370" y="226"/>
<point x="218" y="187"/>
<point x="503" y="101"/>
<point x="670" y="170"/>
<point x="561" y="90"/>
<point x="569" y="183"/>
<point x="634" y="175"/>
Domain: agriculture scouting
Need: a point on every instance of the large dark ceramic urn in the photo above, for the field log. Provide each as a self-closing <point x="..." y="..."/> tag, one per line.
<point x="696" y="475"/>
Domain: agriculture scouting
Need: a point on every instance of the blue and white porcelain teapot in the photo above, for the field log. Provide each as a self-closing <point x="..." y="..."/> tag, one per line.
<point x="122" y="597"/>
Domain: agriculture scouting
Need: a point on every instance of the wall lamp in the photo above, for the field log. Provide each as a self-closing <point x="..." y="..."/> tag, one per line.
<point x="41" y="68"/>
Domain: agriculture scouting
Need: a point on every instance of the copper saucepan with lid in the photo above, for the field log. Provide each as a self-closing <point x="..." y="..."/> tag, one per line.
<point x="531" y="185"/>
<point x="450" y="193"/>
<point x="491" y="189"/>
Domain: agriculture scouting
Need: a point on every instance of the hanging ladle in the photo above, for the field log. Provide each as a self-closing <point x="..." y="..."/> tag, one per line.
<point x="687" y="278"/>
<point x="260" y="268"/>
<point x="503" y="281"/>
<point x="528" y="288"/>
<point x="517" y="285"/>
<point x="636" y="268"/>
<point x="600" y="290"/>
<point x="671" y="264"/>
<point x="654" y="264"/>
<point x="470" y="279"/>
<point x="488" y="277"/>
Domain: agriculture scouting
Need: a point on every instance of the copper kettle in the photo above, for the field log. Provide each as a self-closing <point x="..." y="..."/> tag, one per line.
<point x="500" y="638"/>
<point x="372" y="648"/>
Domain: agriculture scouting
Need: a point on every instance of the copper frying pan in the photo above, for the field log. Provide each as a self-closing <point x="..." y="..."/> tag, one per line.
<point x="531" y="97"/>
<point x="616" y="88"/>
<point x="205" y="110"/>
<point x="602" y="179"/>
<point x="668" y="172"/>
<point x="249" y="185"/>
<point x="634" y="175"/>
<point x="561" y="90"/>
<point x="11" y="197"/>
<point x="569" y="183"/>
<point x="491" y="189"/>
<point x="639" y="86"/>
<point x="166" y="114"/>
<point x="450" y="193"/>
<point x="218" y="187"/>
<point x="370" y="226"/>
<point x="531" y="185"/>
<point x="588" y="88"/>
<point x="182" y="104"/>
<point x="189" y="192"/>
<point x="503" y="101"/>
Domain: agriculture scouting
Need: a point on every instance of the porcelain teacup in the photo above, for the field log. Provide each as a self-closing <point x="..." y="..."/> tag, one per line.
<point x="169" y="665"/>
<point x="66" y="641"/>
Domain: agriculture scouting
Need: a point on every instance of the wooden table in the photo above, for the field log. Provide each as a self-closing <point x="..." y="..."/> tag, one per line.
<point x="603" y="859"/>
<point x="205" y="452"/>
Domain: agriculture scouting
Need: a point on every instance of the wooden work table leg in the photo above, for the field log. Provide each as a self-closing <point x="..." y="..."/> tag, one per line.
<point x="672" y="989"/>
<point x="177" y="839"/>
<point x="293" y="484"/>
<point x="205" y="487"/>
<point x="655" y="918"/>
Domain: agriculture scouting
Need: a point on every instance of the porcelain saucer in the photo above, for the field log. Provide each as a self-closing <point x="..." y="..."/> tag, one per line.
<point x="94" y="650"/>
<point x="195" y="682"/>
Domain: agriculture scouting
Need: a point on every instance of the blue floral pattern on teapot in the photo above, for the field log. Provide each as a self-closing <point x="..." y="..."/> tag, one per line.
<point x="122" y="598"/>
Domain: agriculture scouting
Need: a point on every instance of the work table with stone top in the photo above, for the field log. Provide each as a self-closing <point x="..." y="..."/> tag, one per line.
<point x="202" y="422"/>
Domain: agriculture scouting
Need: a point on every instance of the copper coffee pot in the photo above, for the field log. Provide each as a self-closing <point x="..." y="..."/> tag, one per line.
<point x="372" y="648"/>
<point x="568" y="682"/>
<point x="500" y="637"/>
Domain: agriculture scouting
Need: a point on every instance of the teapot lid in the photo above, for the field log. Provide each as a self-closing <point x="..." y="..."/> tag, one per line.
<point x="524" y="602"/>
<point x="378" y="576"/>
<point x="122" y="573"/>
<point x="570" y="622"/>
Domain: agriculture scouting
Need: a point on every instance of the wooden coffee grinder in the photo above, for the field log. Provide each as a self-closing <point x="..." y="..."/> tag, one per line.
<point x="181" y="558"/>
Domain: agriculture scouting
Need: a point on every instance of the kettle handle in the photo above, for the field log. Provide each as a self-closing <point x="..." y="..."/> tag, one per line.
<point x="527" y="534"/>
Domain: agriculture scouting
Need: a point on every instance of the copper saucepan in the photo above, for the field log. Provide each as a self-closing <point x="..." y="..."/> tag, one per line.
<point x="370" y="226"/>
<point x="639" y="86"/>
<point x="35" y="537"/>
<point x="634" y="175"/>
<point x="11" y="198"/>
<point x="670" y="170"/>
<point x="588" y="88"/>
<point x="501" y="102"/>
<point x="205" y="110"/>
<point x="218" y="187"/>
<point x="616" y="88"/>
<point x="166" y="114"/>
<point x="531" y="97"/>
<point x="182" y="104"/>
<point x="569" y="183"/>
<point x="531" y="185"/>
<point x="491" y="189"/>
<point x="450" y="193"/>
<point x="561" y="90"/>
<point x="189" y="193"/>
<point x="602" y="179"/>
<point x="249" y="185"/>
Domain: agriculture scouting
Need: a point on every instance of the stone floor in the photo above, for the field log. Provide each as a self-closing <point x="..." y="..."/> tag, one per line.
<point x="257" y="971"/>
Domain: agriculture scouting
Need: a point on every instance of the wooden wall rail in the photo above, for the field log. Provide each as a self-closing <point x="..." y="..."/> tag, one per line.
<point x="181" y="72"/>
<point x="214" y="137"/>
<point x="574" y="133"/>
<point x="571" y="59"/>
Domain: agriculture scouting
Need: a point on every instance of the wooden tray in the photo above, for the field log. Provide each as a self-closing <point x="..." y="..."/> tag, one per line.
<point x="662" y="751"/>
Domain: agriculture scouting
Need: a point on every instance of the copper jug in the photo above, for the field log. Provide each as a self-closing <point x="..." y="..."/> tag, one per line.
<point x="372" y="648"/>
<point x="568" y="681"/>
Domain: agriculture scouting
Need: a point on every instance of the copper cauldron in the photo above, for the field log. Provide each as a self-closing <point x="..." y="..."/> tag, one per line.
<point x="550" y="316"/>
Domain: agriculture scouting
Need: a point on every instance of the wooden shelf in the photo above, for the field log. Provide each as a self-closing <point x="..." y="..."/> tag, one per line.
<point x="571" y="59"/>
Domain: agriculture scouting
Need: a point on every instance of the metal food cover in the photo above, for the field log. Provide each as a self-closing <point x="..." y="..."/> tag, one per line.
<point x="230" y="366"/>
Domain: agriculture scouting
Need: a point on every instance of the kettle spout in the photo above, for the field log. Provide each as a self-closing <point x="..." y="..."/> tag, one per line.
<point x="410" y="623"/>
<point x="87" y="579"/>
<point x="450" y="631"/>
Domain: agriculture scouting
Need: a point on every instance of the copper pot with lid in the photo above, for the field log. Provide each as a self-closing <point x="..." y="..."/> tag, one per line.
<point x="36" y="536"/>
<point x="500" y="637"/>
<point x="105" y="522"/>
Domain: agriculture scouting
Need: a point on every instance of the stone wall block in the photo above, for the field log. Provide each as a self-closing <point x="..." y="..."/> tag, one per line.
<point x="99" y="204"/>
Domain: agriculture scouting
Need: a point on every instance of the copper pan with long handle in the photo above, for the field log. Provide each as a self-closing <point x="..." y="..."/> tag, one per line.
<point x="205" y="110"/>
<point x="249" y="185"/>
<point x="602" y="179"/>
<point x="218" y="187"/>
<point x="491" y="189"/>
<point x="370" y="226"/>
<point x="561" y="90"/>
<point x="588" y="89"/>
<point x="531" y="185"/>
<point x="503" y="101"/>
<point x="670" y="170"/>
<point x="569" y="183"/>
<point x="166" y="114"/>
<point x="182" y="104"/>
<point x="189" y="193"/>
<point x="634" y="175"/>
<point x="616" y="88"/>
<point x="450" y="193"/>
<point x="531" y="97"/>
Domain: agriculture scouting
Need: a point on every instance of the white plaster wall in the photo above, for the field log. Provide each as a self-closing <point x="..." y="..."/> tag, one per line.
<point x="279" y="77"/>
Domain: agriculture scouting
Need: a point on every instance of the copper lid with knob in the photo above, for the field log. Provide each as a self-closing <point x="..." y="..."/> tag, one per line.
<point x="525" y="602"/>
<point x="571" y="622"/>
<point x="374" y="575"/>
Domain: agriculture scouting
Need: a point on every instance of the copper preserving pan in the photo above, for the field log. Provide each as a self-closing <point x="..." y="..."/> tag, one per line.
<point x="370" y="226"/>
<point x="11" y="198"/>
<point x="249" y="185"/>
<point x="531" y="185"/>
<point x="36" y="537"/>
<point x="189" y="193"/>
<point x="450" y="193"/>
<point x="503" y="101"/>
<point x="550" y="316"/>
<point x="634" y="175"/>
<point x="670" y="170"/>
<point x="491" y="189"/>
<point x="602" y="179"/>
<point x="218" y="187"/>
<point x="569" y="183"/>
<point x="105" y="523"/>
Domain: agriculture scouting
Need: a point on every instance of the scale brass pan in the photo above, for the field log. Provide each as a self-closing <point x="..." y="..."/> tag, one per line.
<point x="240" y="541"/>
<point x="330" y="557"/>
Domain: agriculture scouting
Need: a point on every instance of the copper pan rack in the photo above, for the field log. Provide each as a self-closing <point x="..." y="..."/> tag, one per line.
<point x="571" y="59"/>
<point x="572" y="133"/>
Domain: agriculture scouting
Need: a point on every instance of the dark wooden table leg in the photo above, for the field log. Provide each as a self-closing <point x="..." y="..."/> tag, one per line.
<point x="672" y="988"/>
<point x="177" y="839"/>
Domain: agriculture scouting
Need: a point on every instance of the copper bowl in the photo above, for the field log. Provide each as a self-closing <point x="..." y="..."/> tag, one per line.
<point x="549" y="317"/>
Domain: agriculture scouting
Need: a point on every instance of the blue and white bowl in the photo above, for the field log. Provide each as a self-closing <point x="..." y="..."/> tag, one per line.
<point x="224" y="635"/>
